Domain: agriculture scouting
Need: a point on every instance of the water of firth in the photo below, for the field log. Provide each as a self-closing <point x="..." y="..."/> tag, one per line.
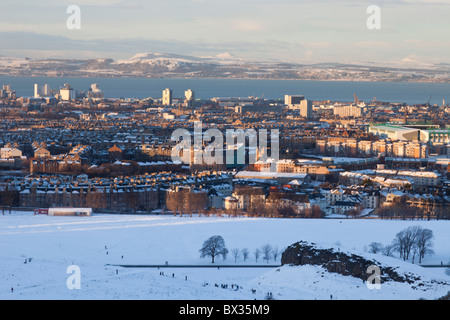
<point x="405" y="92"/>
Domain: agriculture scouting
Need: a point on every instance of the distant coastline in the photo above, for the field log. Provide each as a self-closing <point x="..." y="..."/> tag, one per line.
<point x="152" y="65"/>
<point x="222" y="78"/>
<point x="207" y="88"/>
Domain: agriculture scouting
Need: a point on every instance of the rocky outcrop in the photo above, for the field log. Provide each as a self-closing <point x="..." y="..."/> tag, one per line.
<point x="335" y="261"/>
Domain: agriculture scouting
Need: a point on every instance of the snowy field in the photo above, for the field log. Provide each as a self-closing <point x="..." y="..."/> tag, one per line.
<point x="49" y="245"/>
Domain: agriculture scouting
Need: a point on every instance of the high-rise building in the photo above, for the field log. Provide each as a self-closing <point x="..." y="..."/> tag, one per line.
<point x="348" y="111"/>
<point x="306" y="109"/>
<point x="66" y="93"/>
<point x="189" y="97"/>
<point x="299" y="103"/>
<point x="46" y="90"/>
<point x="95" y="92"/>
<point x="6" y="92"/>
<point x="293" y="100"/>
<point x="167" y="97"/>
<point x="41" y="91"/>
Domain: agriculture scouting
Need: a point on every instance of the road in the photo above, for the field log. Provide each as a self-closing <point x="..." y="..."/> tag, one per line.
<point x="158" y="266"/>
<point x="192" y="266"/>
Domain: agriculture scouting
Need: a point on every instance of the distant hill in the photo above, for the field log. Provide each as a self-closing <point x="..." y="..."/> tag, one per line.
<point x="222" y="66"/>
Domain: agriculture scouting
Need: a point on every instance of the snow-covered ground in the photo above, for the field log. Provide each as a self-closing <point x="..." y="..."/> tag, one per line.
<point x="49" y="245"/>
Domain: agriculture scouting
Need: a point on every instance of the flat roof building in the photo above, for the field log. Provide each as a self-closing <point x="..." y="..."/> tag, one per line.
<point x="395" y="132"/>
<point x="167" y="97"/>
<point x="69" y="212"/>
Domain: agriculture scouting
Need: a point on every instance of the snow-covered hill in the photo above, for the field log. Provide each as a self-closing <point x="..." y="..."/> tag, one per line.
<point x="10" y="62"/>
<point x="222" y="65"/>
<point x="175" y="61"/>
<point x="35" y="252"/>
<point x="151" y="57"/>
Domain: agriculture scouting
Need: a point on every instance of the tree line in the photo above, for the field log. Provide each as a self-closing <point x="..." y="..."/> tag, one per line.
<point x="407" y="212"/>
<point x="412" y="242"/>
<point x="215" y="247"/>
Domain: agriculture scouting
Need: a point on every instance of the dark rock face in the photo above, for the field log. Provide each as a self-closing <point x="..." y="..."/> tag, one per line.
<point x="304" y="253"/>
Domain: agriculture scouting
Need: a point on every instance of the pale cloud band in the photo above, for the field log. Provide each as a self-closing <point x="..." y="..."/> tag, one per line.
<point x="303" y="31"/>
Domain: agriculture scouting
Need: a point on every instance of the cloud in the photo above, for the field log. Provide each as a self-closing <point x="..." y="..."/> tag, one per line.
<point x="372" y="44"/>
<point x="35" y="45"/>
<point x="247" y="25"/>
<point x="278" y="29"/>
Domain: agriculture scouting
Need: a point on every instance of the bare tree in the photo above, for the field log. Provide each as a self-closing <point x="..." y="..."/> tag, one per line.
<point x="424" y="243"/>
<point x="275" y="253"/>
<point x="195" y="201"/>
<point x="245" y="253"/>
<point x="257" y="208"/>
<point x="131" y="199"/>
<point x="267" y="252"/>
<point x="405" y="240"/>
<point x="257" y="254"/>
<point x="375" y="247"/>
<point x="7" y="198"/>
<point x="389" y="250"/>
<point x="174" y="202"/>
<point x="213" y="247"/>
<point x="414" y="239"/>
<point x="236" y="254"/>
<point x="286" y="211"/>
<point x="399" y="245"/>
<point x="224" y="254"/>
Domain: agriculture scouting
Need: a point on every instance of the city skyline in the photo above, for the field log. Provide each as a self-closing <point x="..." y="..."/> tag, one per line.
<point x="305" y="143"/>
<point x="412" y="32"/>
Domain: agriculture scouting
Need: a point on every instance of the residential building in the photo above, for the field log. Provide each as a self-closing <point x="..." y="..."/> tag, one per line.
<point x="10" y="153"/>
<point x="66" y="93"/>
<point x="348" y="111"/>
<point x="299" y="103"/>
<point x="167" y="97"/>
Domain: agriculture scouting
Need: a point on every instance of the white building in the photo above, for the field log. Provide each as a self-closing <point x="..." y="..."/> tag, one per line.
<point x="10" y="153"/>
<point x="66" y="93"/>
<point x="293" y="100"/>
<point x="41" y="91"/>
<point x="348" y="111"/>
<point x="435" y="136"/>
<point x="230" y="203"/>
<point x="189" y="95"/>
<point x="167" y="97"/>
<point x="95" y="92"/>
<point x="6" y="92"/>
<point x="395" y="132"/>
<point x="70" y="212"/>
<point x="299" y="103"/>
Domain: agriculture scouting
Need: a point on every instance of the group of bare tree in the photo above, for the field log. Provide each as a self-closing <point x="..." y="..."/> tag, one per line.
<point x="266" y="252"/>
<point x="407" y="212"/>
<point x="260" y="209"/>
<point x="8" y="198"/>
<point x="215" y="247"/>
<point x="412" y="242"/>
<point x="185" y="201"/>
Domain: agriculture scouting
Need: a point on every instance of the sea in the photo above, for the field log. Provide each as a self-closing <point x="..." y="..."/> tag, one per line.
<point x="343" y="91"/>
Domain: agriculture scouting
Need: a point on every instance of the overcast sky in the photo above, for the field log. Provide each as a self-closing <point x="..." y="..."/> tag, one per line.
<point x="412" y="31"/>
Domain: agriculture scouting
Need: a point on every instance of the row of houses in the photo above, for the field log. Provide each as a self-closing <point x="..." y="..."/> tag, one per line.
<point x="354" y="147"/>
<point x="259" y="192"/>
<point x="401" y="179"/>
